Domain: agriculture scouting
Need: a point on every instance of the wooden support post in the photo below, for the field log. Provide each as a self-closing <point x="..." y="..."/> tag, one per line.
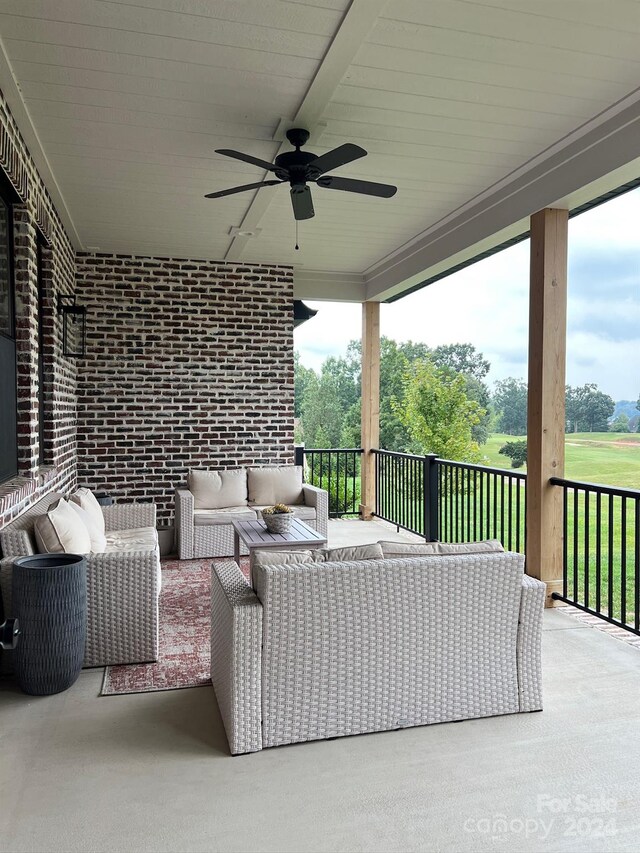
<point x="546" y="410"/>
<point x="370" y="405"/>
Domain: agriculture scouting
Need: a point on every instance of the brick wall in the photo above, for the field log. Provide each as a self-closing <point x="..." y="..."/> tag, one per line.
<point x="189" y="363"/>
<point x="35" y="218"/>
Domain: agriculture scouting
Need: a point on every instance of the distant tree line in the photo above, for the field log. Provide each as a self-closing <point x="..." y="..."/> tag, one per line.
<point x="588" y="409"/>
<point x="431" y="400"/>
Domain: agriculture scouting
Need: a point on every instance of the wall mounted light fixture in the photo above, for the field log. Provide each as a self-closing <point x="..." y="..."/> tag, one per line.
<point x="74" y="325"/>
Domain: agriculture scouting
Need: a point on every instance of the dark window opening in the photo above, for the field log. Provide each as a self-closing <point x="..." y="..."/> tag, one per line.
<point x="8" y="376"/>
<point x="41" y="402"/>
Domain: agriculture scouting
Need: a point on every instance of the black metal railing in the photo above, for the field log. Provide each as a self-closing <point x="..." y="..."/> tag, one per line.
<point x="337" y="470"/>
<point x="477" y="502"/>
<point x="406" y="491"/>
<point x="601" y="551"/>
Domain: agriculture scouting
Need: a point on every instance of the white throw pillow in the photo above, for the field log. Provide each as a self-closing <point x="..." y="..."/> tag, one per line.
<point x="280" y="558"/>
<point x="277" y="485"/>
<point x="86" y="500"/>
<point x="61" y="531"/>
<point x="441" y="549"/>
<point x="97" y="537"/>
<point x="218" y="489"/>
<point x="354" y="552"/>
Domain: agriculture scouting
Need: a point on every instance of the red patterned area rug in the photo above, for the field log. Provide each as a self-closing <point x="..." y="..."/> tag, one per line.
<point x="185" y="619"/>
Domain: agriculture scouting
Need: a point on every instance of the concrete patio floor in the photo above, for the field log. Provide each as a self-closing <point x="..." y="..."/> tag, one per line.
<point x="152" y="771"/>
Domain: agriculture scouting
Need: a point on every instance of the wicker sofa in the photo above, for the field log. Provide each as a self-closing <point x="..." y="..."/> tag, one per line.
<point x="339" y="648"/>
<point x="123" y="583"/>
<point x="204" y="521"/>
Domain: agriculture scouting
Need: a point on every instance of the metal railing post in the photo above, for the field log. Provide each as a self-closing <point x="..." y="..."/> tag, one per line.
<point x="299" y="454"/>
<point x="430" y="497"/>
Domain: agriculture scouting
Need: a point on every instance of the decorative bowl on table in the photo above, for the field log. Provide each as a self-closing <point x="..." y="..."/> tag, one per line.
<point x="278" y="518"/>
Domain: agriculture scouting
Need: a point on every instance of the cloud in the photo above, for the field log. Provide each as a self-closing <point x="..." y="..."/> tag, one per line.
<point x="487" y="305"/>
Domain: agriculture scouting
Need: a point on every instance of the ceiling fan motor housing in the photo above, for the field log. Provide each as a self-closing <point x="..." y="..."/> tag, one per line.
<point x="294" y="165"/>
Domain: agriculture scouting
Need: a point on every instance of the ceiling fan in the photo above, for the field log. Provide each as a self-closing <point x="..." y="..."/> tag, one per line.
<point x="299" y="168"/>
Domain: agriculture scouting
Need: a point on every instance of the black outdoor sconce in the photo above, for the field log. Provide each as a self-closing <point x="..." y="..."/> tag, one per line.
<point x="74" y="326"/>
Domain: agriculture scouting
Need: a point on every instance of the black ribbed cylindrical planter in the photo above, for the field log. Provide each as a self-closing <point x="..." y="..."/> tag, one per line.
<point x="49" y="597"/>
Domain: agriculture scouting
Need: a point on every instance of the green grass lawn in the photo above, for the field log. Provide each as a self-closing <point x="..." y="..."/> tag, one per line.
<point x="612" y="459"/>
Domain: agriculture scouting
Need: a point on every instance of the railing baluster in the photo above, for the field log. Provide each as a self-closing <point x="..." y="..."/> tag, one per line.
<point x="623" y="562"/>
<point x="586" y="547"/>
<point x="610" y="558"/>
<point x="636" y="574"/>
<point x="598" y="549"/>
<point x="575" y="544"/>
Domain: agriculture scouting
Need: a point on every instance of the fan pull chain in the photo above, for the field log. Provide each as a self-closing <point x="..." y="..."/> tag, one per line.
<point x="297" y="247"/>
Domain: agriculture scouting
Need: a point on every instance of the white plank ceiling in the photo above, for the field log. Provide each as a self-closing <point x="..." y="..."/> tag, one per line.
<point x="130" y="99"/>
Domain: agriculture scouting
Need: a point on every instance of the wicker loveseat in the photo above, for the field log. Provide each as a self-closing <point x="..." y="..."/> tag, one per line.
<point x="123" y="583"/>
<point x="212" y="500"/>
<point x="321" y="650"/>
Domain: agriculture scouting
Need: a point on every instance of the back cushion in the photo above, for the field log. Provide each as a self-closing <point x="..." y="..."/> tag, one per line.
<point x="354" y="552"/>
<point x="86" y="500"/>
<point x="282" y="484"/>
<point x="218" y="489"/>
<point x="281" y="558"/>
<point x="61" y="531"/>
<point x="410" y="549"/>
<point x="97" y="537"/>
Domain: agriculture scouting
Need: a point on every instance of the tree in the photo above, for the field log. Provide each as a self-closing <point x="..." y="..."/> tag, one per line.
<point x="588" y="409"/>
<point x="321" y="412"/>
<point x="510" y="401"/>
<point x="302" y="375"/>
<point x="438" y="414"/>
<point x="516" y="451"/>
<point x="461" y="358"/>
<point x="620" y="424"/>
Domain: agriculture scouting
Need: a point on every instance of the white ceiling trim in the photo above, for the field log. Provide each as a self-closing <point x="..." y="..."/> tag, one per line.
<point x="11" y="90"/>
<point x="328" y="286"/>
<point x="602" y="145"/>
<point x="356" y="25"/>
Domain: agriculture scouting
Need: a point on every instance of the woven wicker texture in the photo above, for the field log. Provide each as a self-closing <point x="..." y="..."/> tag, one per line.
<point x="216" y="540"/>
<point x="530" y="644"/>
<point x="122" y="587"/>
<point x="236" y="642"/>
<point x="375" y="645"/>
<point x="17" y="539"/>
<point x="318" y="498"/>
<point x="129" y="516"/>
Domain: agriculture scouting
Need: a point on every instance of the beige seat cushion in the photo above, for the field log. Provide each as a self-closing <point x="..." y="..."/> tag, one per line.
<point x="281" y="484"/>
<point x="97" y="537"/>
<point x="204" y="517"/>
<point x="61" y="531"/>
<point x="410" y="549"/>
<point x="218" y="489"/>
<point x="305" y="513"/>
<point x="136" y="539"/>
<point x="87" y="501"/>
<point x="354" y="552"/>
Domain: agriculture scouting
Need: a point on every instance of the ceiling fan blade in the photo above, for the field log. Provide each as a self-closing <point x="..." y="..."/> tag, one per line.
<point x="351" y="185"/>
<point x="247" y="158"/>
<point x="243" y="188"/>
<point x="338" y="157"/>
<point x="302" y="202"/>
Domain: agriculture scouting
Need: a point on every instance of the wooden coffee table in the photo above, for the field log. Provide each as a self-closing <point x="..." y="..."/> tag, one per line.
<point x="255" y="535"/>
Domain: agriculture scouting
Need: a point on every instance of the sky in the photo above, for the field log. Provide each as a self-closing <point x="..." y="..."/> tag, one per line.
<point x="486" y="304"/>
